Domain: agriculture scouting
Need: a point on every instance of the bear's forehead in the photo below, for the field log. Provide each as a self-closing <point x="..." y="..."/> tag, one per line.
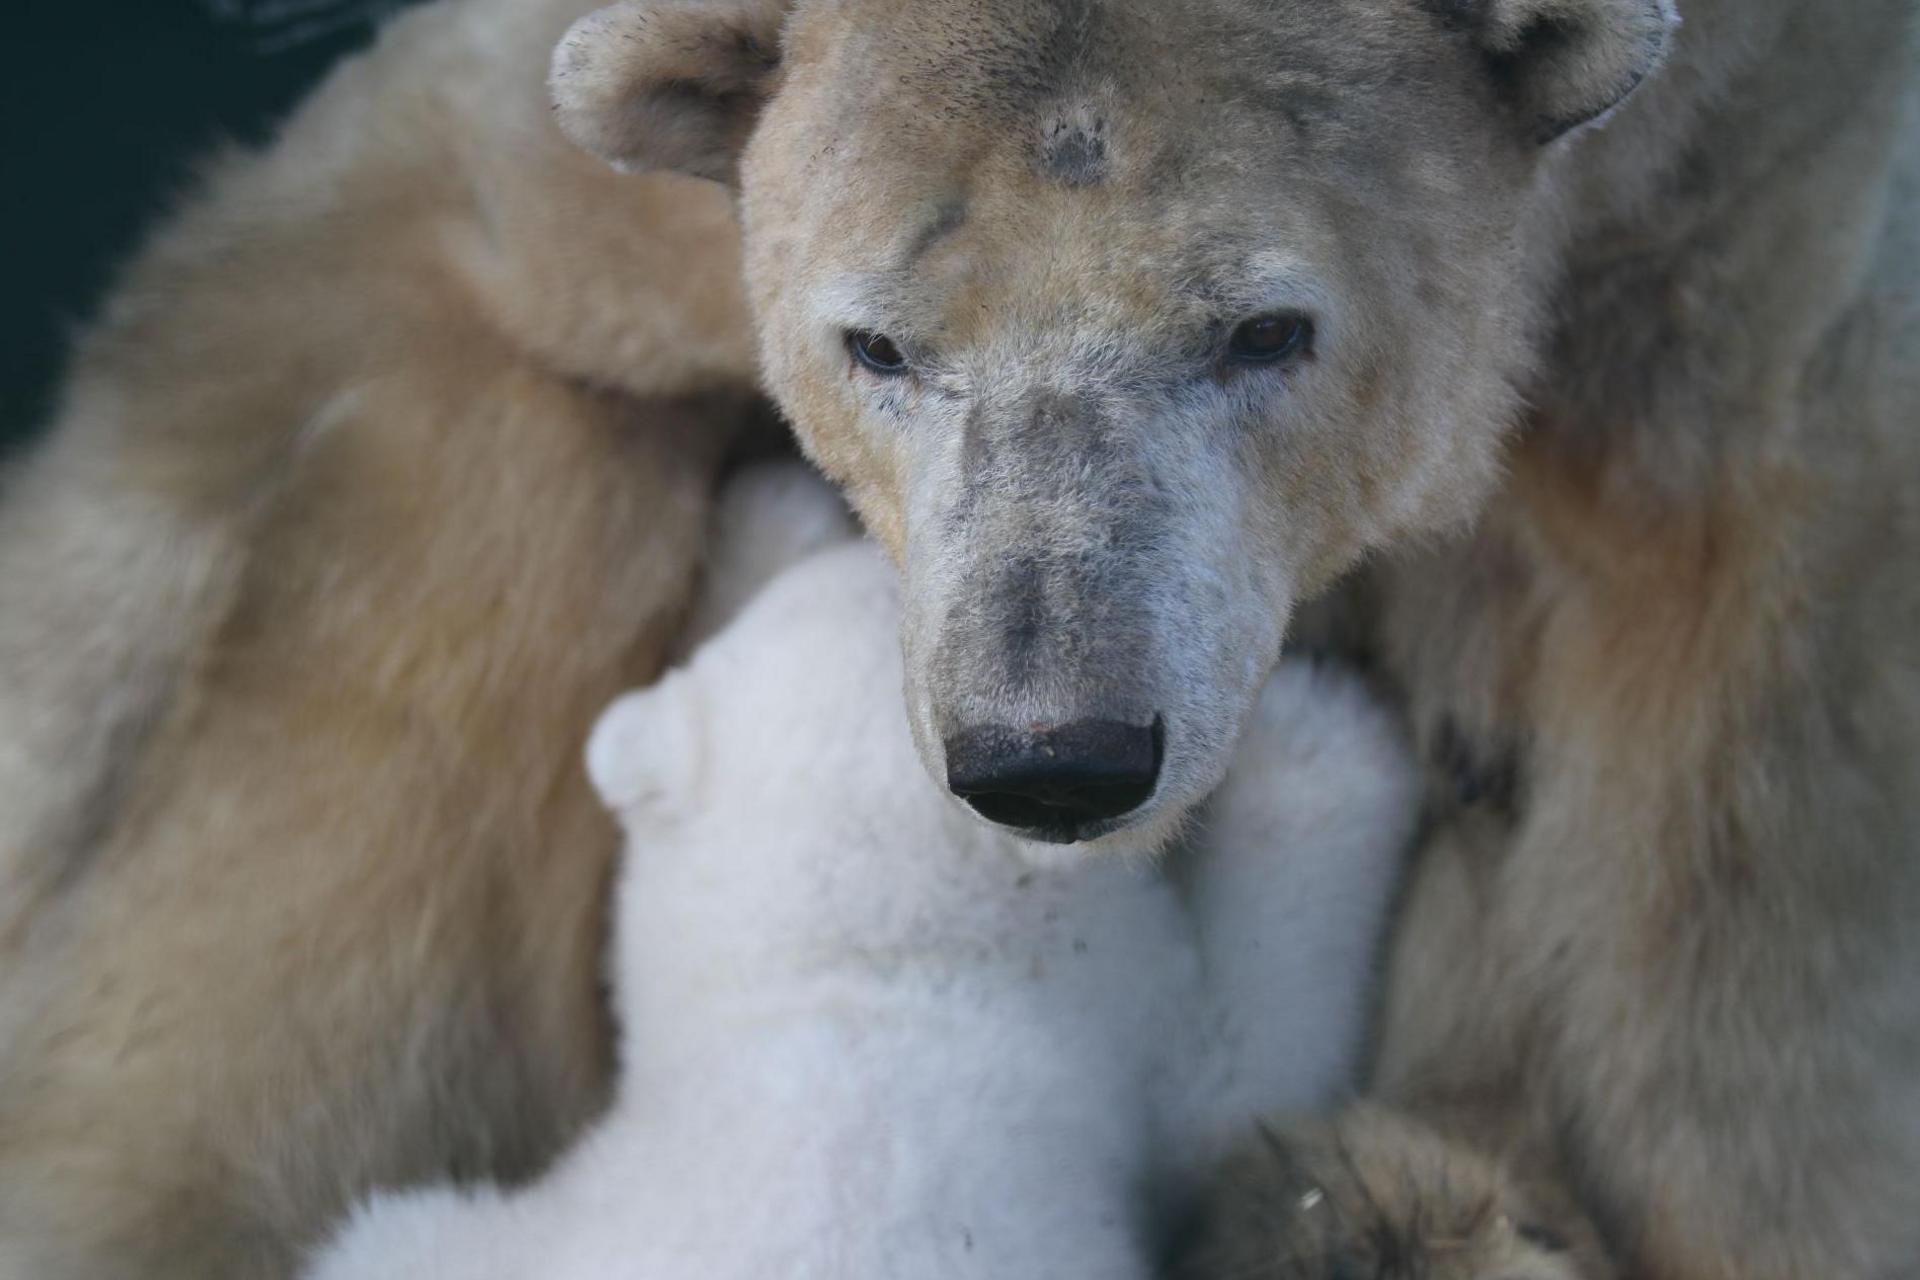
<point x="958" y="156"/>
<point x="1090" y="90"/>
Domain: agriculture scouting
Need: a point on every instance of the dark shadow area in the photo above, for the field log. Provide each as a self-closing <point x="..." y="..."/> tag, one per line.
<point x="104" y="107"/>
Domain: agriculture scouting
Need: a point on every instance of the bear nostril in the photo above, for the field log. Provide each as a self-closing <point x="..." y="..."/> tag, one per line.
<point x="1048" y="785"/>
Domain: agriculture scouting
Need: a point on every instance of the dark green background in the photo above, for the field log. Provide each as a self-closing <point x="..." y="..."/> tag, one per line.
<point x="103" y="108"/>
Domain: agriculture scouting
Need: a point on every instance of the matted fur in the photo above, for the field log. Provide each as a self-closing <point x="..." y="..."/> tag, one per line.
<point x="385" y="467"/>
<point x="1625" y="414"/>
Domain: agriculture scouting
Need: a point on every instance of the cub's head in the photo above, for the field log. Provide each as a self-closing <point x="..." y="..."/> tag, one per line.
<point x="789" y="713"/>
<point x="1124" y="323"/>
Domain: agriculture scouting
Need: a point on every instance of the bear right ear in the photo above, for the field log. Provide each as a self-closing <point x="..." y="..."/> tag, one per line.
<point x="1564" y="64"/>
<point x="668" y="84"/>
<point x="645" y="752"/>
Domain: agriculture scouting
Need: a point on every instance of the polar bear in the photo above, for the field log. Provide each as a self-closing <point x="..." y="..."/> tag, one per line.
<point x="1587" y="330"/>
<point x="868" y="1038"/>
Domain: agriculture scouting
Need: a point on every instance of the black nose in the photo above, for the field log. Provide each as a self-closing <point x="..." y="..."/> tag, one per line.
<point x="1051" y="783"/>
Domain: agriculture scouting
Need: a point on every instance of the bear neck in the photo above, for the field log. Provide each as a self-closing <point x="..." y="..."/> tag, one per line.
<point x="1700" y="244"/>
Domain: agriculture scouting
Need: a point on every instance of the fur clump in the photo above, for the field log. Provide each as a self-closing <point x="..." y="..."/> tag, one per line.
<point x="868" y="1037"/>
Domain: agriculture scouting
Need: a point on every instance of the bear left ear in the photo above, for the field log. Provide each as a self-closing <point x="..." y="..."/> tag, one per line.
<point x="668" y="84"/>
<point x="645" y="752"/>
<point x="1562" y="64"/>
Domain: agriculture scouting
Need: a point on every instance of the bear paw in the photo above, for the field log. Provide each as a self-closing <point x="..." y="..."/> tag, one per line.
<point x="1378" y="1195"/>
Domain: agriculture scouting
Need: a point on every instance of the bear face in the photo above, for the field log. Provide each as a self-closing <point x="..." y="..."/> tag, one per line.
<point x="1124" y="323"/>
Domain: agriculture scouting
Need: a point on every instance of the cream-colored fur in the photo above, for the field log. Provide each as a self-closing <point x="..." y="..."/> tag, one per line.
<point x="384" y="469"/>
<point x="1613" y="369"/>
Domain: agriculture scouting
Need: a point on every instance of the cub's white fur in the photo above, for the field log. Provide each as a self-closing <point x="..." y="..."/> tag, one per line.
<point x="868" y="1038"/>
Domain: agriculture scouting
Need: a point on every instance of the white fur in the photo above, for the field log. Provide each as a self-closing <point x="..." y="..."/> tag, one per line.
<point x="768" y="517"/>
<point x="869" y="1039"/>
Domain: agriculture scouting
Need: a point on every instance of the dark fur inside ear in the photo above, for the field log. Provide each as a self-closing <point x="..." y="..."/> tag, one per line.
<point x="668" y="85"/>
<point x="1562" y="64"/>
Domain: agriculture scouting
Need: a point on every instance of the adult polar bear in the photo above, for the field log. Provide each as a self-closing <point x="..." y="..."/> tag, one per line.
<point x="1129" y="323"/>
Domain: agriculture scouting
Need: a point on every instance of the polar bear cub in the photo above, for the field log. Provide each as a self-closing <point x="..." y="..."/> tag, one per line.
<point x="869" y="1038"/>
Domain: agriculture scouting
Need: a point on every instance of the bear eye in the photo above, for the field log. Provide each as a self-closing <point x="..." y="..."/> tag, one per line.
<point x="1271" y="338"/>
<point x="1545" y="1239"/>
<point x="878" y="352"/>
